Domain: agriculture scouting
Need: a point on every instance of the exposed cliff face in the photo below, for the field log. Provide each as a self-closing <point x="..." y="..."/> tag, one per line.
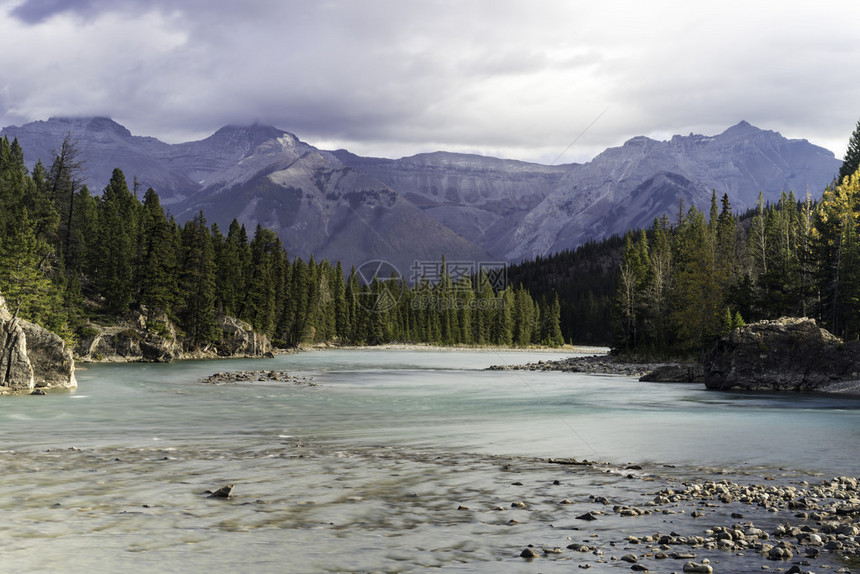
<point x="16" y="372"/>
<point x="156" y="341"/>
<point x="783" y="355"/>
<point x="32" y="357"/>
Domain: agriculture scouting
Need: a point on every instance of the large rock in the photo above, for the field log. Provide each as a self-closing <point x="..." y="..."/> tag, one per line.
<point x="134" y="340"/>
<point x="787" y="354"/>
<point x="32" y="357"/>
<point x="138" y="339"/>
<point x="16" y="373"/>
<point x="238" y="339"/>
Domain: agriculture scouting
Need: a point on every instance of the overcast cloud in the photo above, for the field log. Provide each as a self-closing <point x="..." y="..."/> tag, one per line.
<point x="514" y="79"/>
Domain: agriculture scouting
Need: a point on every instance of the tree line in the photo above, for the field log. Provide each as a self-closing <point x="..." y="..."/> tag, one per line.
<point x="682" y="286"/>
<point x="675" y="287"/>
<point x="68" y="257"/>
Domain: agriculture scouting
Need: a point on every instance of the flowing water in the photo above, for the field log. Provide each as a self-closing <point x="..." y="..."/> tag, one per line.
<point x="393" y="461"/>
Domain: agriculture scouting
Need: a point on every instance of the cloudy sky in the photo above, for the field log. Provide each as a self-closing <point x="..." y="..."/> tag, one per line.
<point x="549" y="81"/>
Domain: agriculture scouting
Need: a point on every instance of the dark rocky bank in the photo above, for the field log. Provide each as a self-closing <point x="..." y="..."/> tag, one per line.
<point x="140" y="338"/>
<point x="615" y="365"/>
<point x="787" y="354"/>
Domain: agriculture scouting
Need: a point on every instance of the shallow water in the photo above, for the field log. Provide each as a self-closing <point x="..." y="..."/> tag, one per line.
<point x="395" y="461"/>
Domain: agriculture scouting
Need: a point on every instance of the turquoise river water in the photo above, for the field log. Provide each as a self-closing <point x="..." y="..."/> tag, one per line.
<point x="393" y="461"/>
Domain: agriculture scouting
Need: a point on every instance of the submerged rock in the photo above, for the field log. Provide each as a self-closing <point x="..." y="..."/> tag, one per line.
<point x="223" y="492"/>
<point x="787" y="354"/>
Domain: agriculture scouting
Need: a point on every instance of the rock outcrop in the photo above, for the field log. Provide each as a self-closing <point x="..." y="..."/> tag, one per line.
<point x="787" y="354"/>
<point x="32" y="357"/>
<point x="16" y="372"/>
<point x="155" y="340"/>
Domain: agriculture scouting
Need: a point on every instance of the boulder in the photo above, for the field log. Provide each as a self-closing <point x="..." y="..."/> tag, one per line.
<point x="238" y="339"/>
<point x="788" y="354"/>
<point x="32" y="357"/>
<point x="52" y="362"/>
<point x="16" y="372"/>
<point x="127" y="343"/>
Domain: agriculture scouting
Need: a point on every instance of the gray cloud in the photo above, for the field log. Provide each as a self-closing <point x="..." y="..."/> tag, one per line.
<point x="392" y="78"/>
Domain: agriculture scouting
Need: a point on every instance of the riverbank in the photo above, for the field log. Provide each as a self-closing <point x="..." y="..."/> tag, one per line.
<point x="603" y="364"/>
<point x="578" y="349"/>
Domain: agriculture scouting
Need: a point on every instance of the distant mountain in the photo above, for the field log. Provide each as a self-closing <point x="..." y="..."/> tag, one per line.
<point x="626" y="187"/>
<point x="469" y="208"/>
<point x="105" y="145"/>
<point x="481" y="198"/>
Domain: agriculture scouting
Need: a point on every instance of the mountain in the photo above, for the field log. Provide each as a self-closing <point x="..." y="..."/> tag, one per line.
<point x="105" y="145"/>
<point x="467" y="207"/>
<point x="259" y="175"/>
<point x="480" y="198"/>
<point x="628" y="186"/>
<point x="318" y="206"/>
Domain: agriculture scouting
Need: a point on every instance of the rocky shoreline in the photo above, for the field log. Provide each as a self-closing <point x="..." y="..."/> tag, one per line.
<point x="610" y="365"/>
<point x="824" y="519"/>
<point x="234" y="377"/>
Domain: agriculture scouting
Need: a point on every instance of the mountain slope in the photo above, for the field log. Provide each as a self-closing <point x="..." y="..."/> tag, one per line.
<point x="630" y="185"/>
<point x="318" y="206"/>
<point x="467" y="207"/>
<point x="478" y="197"/>
<point x="105" y="145"/>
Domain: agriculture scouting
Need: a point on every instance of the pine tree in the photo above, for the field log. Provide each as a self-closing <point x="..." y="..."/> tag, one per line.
<point x="835" y="229"/>
<point x="156" y="284"/>
<point x="23" y="279"/>
<point x="197" y="283"/>
<point x="117" y="235"/>
<point x="697" y="292"/>
<point x="65" y="180"/>
<point x="851" y="163"/>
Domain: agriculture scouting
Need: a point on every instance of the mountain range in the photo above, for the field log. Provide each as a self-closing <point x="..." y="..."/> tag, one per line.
<point x="472" y="208"/>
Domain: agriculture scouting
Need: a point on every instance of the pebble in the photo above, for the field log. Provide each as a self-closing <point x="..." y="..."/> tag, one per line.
<point x="696" y="567"/>
<point x="830" y="522"/>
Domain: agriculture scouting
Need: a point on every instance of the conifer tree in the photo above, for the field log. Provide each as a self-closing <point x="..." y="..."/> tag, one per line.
<point x="197" y="283"/>
<point x="117" y="234"/>
<point x="851" y="163"/>
<point x="157" y="288"/>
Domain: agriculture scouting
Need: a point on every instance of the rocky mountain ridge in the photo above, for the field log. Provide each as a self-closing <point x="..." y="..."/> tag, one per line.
<point x="466" y="207"/>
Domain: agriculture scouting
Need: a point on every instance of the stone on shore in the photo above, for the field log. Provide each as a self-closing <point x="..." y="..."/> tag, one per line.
<point x="787" y="354"/>
<point x="32" y="357"/>
<point x="696" y="567"/>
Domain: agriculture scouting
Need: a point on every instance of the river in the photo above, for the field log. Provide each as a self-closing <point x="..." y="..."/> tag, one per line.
<point x="391" y="461"/>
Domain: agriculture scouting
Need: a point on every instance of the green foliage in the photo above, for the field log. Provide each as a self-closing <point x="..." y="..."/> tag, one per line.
<point x="693" y="282"/>
<point x="851" y="162"/>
